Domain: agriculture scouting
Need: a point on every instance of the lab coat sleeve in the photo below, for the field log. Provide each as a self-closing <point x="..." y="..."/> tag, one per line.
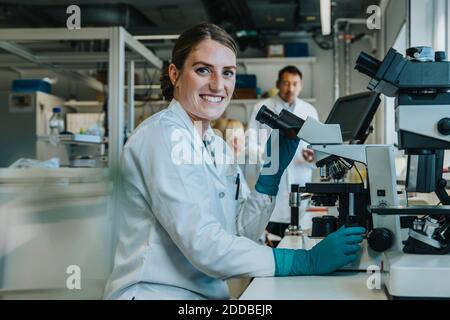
<point x="177" y="195"/>
<point x="252" y="122"/>
<point x="254" y="214"/>
<point x="255" y="211"/>
<point x="254" y="148"/>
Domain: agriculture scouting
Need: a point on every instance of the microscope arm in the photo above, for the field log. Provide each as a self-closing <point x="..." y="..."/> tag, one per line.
<point x="316" y="132"/>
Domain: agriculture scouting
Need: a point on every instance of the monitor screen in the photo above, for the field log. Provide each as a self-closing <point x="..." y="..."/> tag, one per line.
<point x="354" y="113"/>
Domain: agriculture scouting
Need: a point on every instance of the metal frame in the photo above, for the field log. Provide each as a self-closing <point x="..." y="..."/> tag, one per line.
<point x="119" y="39"/>
<point x="130" y="97"/>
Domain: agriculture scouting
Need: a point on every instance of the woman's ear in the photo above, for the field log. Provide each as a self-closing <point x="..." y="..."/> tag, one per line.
<point x="173" y="74"/>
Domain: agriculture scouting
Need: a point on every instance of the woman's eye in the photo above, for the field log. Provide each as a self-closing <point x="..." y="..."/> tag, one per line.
<point x="202" y="71"/>
<point x="228" y="73"/>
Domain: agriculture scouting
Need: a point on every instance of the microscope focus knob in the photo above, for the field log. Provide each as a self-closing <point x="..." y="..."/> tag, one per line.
<point x="380" y="239"/>
<point x="444" y="126"/>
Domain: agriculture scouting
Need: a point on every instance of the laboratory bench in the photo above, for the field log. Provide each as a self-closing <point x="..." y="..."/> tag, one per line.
<point x="344" y="285"/>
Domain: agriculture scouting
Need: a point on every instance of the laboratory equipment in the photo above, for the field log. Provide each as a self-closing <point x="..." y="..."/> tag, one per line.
<point x="56" y="125"/>
<point x="26" y="132"/>
<point x="419" y="266"/>
<point x="23" y="115"/>
<point x="330" y="152"/>
<point x="353" y="198"/>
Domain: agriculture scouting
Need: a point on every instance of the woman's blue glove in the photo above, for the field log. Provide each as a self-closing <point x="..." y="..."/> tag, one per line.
<point x="335" y="251"/>
<point x="268" y="183"/>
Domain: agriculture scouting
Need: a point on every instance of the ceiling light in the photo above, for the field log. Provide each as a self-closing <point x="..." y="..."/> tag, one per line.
<point x="325" y="16"/>
<point x="158" y="37"/>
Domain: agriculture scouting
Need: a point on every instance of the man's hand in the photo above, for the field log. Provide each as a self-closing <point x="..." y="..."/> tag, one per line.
<point x="308" y="155"/>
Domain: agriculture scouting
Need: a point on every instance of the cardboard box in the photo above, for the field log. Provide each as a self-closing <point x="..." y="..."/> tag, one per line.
<point x="245" y="93"/>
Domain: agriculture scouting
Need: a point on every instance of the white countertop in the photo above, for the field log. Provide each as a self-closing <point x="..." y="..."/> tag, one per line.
<point x="339" y="285"/>
<point x="40" y="175"/>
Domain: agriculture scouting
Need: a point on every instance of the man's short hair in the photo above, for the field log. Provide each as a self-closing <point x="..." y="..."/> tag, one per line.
<point x="289" y="69"/>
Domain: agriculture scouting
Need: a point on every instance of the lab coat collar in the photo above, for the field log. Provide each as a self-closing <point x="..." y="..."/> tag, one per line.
<point x="176" y="107"/>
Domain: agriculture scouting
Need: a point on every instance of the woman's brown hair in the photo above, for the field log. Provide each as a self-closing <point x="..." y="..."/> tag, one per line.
<point x="187" y="41"/>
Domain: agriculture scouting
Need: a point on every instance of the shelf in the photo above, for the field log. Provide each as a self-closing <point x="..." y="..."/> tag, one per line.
<point x="94" y="103"/>
<point x="281" y="60"/>
<point x="254" y="101"/>
<point x="38" y="175"/>
<point x="77" y="139"/>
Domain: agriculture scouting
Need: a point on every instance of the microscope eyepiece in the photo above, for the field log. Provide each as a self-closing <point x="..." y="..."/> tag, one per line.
<point x="267" y="116"/>
<point x="288" y="123"/>
<point x="367" y="64"/>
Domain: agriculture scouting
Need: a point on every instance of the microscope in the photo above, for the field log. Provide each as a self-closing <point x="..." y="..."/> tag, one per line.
<point x="417" y="263"/>
<point x="410" y="244"/>
<point x="338" y="146"/>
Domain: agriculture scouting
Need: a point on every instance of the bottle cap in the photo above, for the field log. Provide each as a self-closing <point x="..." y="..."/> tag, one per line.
<point x="57" y="109"/>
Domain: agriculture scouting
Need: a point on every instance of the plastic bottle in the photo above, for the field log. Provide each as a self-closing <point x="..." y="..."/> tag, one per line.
<point x="56" y="125"/>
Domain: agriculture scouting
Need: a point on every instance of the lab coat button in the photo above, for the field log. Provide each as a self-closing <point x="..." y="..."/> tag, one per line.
<point x="221" y="195"/>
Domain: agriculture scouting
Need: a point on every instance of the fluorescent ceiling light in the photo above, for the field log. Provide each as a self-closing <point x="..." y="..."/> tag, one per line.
<point x="158" y="37"/>
<point x="325" y="16"/>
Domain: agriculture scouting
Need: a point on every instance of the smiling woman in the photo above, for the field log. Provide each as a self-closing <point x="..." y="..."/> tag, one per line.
<point x="186" y="227"/>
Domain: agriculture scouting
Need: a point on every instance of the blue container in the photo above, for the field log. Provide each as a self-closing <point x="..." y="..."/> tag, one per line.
<point x="245" y="81"/>
<point x="31" y="85"/>
<point x="296" y="49"/>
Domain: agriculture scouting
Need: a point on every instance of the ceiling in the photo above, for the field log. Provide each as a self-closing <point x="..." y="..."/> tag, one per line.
<point x="249" y="21"/>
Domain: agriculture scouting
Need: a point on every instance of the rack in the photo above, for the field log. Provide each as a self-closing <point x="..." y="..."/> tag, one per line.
<point x="15" y="40"/>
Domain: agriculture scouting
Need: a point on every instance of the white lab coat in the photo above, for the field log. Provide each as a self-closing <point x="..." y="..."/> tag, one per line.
<point x="181" y="232"/>
<point x="299" y="171"/>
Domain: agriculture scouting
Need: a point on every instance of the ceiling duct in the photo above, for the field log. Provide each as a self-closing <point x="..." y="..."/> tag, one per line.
<point x="92" y="15"/>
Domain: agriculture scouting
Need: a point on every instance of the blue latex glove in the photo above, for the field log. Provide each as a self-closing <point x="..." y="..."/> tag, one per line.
<point x="333" y="252"/>
<point x="268" y="183"/>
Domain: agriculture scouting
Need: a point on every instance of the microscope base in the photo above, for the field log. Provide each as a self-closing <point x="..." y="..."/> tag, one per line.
<point x="416" y="276"/>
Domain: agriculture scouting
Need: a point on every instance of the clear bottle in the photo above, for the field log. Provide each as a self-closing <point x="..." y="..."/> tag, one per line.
<point x="56" y="125"/>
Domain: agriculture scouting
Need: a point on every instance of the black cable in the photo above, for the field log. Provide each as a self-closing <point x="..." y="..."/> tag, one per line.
<point x="367" y="175"/>
<point x="345" y="164"/>
<point x="359" y="173"/>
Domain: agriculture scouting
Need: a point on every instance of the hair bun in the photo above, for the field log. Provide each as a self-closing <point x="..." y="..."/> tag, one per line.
<point x="166" y="85"/>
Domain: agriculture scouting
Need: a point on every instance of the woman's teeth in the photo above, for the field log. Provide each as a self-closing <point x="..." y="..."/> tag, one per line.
<point x="212" y="99"/>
